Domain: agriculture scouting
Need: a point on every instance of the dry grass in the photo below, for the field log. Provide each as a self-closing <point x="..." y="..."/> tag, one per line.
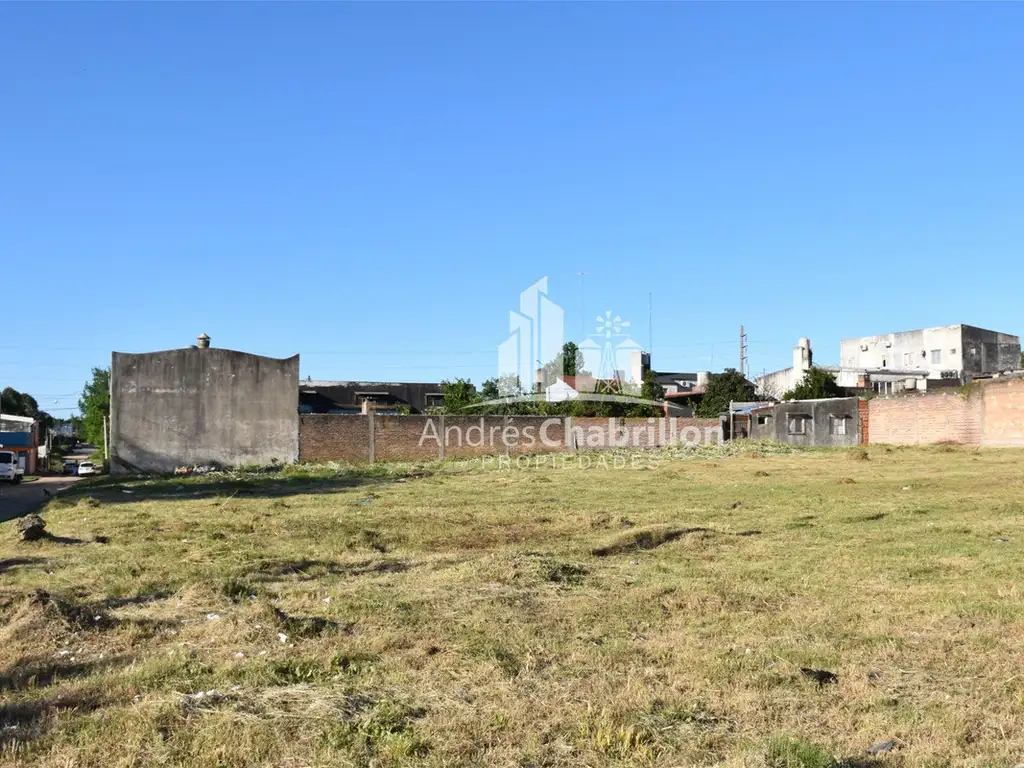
<point x="543" y="617"/>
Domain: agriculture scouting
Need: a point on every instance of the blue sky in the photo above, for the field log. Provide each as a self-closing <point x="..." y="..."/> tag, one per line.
<point x="371" y="185"/>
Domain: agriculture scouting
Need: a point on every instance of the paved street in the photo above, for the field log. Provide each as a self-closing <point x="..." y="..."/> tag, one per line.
<point x="18" y="500"/>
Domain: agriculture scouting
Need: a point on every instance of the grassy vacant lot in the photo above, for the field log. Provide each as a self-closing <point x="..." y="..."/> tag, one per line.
<point x="545" y="617"/>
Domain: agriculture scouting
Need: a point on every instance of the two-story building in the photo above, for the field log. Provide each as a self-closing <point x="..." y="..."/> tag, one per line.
<point x="894" y="362"/>
<point x="21" y="435"/>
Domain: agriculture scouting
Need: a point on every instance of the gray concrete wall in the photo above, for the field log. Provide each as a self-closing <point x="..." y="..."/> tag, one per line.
<point x="187" y="407"/>
<point x="819" y="419"/>
<point x="989" y="351"/>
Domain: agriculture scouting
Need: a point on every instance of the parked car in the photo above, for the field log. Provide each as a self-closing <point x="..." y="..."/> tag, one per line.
<point x="70" y="467"/>
<point x="86" y="468"/>
<point x="10" y="469"/>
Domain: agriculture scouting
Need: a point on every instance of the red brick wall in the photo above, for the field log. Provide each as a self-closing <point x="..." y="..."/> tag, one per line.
<point x="1003" y="402"/>
<point x="924" y="419"/>
<point x="327" y="437"/>
<point x="532" y="426"/>
<point x="407" y="438"/>
<point x="863" y="411"/>
<point x="595" y="433"/>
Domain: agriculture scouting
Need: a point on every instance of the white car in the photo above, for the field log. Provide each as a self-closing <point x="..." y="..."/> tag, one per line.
<point x="86" y="468"/>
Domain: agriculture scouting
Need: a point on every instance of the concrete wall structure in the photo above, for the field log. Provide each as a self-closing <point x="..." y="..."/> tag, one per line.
<point x="829" y="422"/>
<point x="186" y="407"/>
<point x="357" y="438"/>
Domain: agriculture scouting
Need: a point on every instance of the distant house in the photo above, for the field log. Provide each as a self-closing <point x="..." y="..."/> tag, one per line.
<point x="354" y="397"/>
<point x="571" y="387"/>
<point x="21" y="435"/>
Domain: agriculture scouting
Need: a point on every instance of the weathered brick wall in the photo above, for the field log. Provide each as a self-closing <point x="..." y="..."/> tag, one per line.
<point x="328" y="437"/>
<point x="597" y="433"/>
<point x="925" y="419"/>
<point x="1003" y="402"/>
<point x="405" y="438"/>
<point x="863" y="410"/>
<point x="469" y="436"/>
<point x="537" y="434"/>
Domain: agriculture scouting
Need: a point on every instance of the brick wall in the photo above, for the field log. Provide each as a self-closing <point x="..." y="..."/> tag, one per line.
<point x="531" y="427"/>
<point x="403" y="438"/>
<point x="925" y="419"/>
<point x="1003" y="403"/>
<point x="327" y="437"/>
<point x="406" y="438"/>
<point x="597" y="432"/>
<point x="863" y="410"/>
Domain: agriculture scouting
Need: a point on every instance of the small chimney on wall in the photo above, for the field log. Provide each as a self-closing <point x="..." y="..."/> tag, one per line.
<point x="204" y="341"/>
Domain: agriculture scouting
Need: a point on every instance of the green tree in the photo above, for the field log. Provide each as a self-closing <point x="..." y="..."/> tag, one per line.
<point x="816" y="384"/>
<point x="15" y="403"/>
<point x="458" y="394"/>
<point x="94" y="405"/>
<point x="489" y="390"/>
<point x="568" y="362"/>
<point x="723" y="388"/>
<point x="649" y="390"/>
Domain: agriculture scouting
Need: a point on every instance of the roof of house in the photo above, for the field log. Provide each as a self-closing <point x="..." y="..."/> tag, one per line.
<point x="12" y="417"/>
<point x="695" y="392"/>
<point x="689" y="376"/>
<point x="571" y="382"/>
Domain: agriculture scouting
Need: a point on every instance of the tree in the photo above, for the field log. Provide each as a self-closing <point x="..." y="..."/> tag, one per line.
<point x="650" y="390"/>
<point x="15" y="403"/>
<point x="489" y="390"/>
<point x="458" y="394"/>
<point x="568" y="362"/>
<point x="723" y="388"/>
<point x="94" y="405"/>
<point x="816" y="384"/>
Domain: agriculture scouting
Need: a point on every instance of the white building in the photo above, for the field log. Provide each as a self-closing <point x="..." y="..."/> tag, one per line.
<point x="960" y="352"/>
<point x="895" y="362"/>
<point x="777" y="383"/>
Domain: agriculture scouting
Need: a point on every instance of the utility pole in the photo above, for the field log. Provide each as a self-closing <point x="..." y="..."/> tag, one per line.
<point x="743" y="353"/>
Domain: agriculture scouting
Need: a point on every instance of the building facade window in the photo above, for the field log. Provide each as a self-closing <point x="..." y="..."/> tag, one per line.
<point x="839" y="425"/>
<point x="797" y="425"/>
<point x="936" y="356"/>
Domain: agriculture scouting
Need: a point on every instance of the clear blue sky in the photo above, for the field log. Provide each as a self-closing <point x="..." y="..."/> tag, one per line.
<point x="371" y="185"/>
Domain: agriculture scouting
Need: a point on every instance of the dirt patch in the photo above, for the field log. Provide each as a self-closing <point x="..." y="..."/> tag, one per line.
<point x="645" y="539"/>
<point x="566" y="573"/>
<point x="77" y="616"/>
<point x="303" y="626"/>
